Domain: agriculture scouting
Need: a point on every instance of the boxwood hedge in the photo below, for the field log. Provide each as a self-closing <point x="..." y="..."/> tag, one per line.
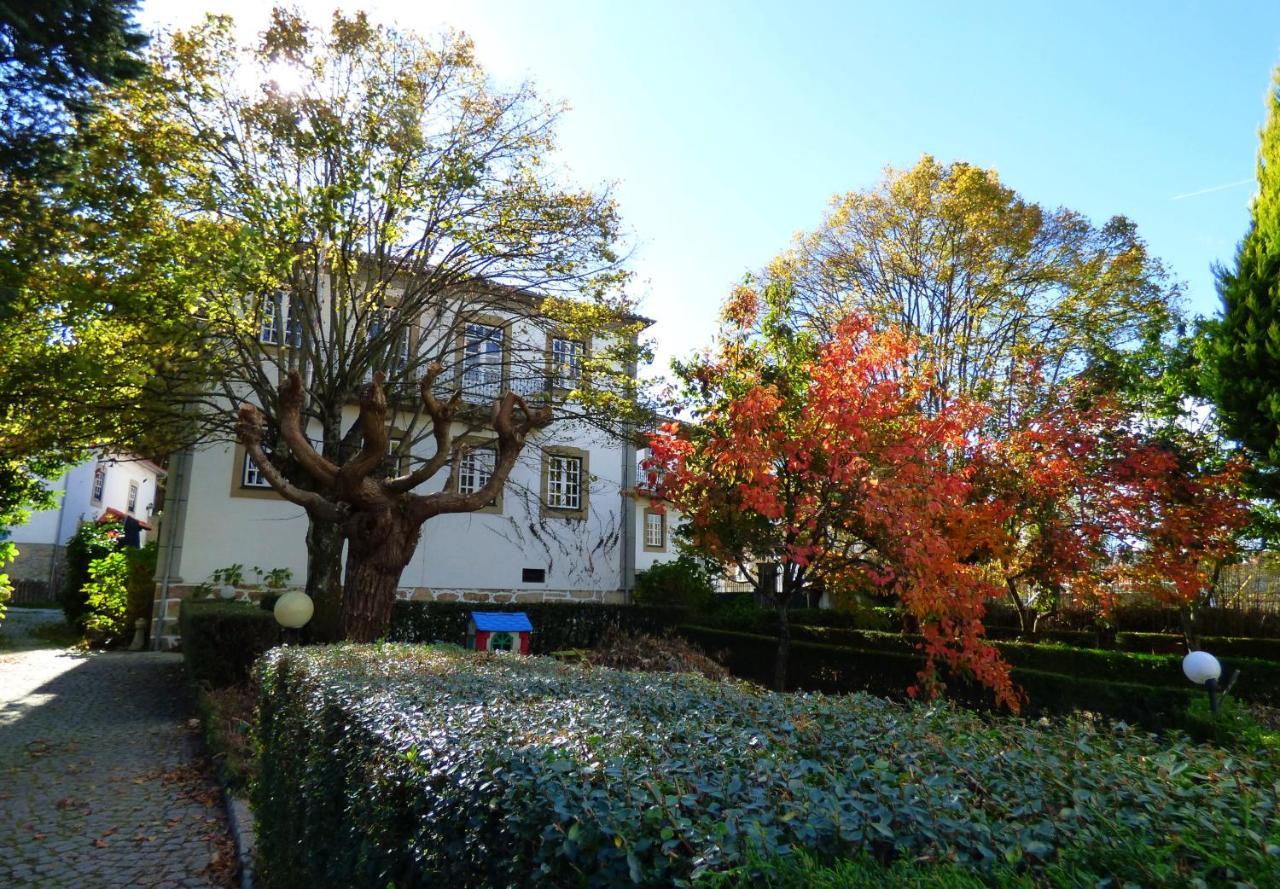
<point x="406" y="766"/>
<point x="1259" y="679"/>
<point x="221" y="640"/>
<point x="556" y="625"/>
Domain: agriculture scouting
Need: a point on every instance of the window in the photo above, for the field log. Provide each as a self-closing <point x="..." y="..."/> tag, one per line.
<point x="564" y="482"/>
<point x="399" y="352"/>
<point x="393" y="465"/>
<point x="270" y="333"/>
<point x="133" y="498"/>
<point x="655" y="530"/>
<point x="482" y="358"/>
<point x="99" y="482"/>
<point x="566" y="363"/>
<point x="533" y="575"/>
<point x="250" y="476"/>
<point x="475" y="469"/>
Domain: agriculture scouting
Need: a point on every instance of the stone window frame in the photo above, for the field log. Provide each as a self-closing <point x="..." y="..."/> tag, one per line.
<point x="98" y="487"/>
<point x="584" y="482"/>
<point x="553" y="381"/>
<point x="486" y="443"/>
<point x="662" y="519"/>
<point x="489" y="320"/>
<point x="239" y="488"/>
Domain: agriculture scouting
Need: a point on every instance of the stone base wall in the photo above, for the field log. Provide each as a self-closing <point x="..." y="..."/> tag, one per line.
<point x="38" y="561"/>
<point x="164" y="618"/>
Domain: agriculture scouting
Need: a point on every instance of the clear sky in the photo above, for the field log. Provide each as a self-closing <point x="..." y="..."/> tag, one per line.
<point x="726" y="127"/>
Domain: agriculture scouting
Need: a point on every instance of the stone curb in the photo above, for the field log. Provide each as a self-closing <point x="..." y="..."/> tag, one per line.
<point x="240" y="821"/>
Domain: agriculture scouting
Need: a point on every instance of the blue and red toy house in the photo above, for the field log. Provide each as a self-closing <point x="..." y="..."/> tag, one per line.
<point x="499" y="631"/>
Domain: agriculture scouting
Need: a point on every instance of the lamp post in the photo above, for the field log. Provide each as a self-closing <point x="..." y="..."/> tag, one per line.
<point x="1203" y="668"/>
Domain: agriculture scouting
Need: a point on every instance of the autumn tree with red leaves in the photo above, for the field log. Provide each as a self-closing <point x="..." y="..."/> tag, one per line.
<point x="821" y="458"/>
<point x="1097" y="504"/>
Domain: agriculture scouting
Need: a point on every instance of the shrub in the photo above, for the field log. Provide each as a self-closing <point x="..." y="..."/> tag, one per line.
<point x="106" y="595"/>
<point x="141" y="582"/>
<point x="556" y="625"/>
<point x="1147" y="689"/>
<point x="421" y="766"/>
<point x="90" y="543"/>
<point x="652" y="654"/>
<point x="221" y="640"/>
<point x="685" y="582"/>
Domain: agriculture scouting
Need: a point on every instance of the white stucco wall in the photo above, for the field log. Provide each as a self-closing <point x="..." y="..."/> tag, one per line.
<point x="468" y="551"/>
<point x="646" y="557"/>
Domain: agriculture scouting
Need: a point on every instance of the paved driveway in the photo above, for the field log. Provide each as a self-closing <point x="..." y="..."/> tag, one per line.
<point x="100" y="782"/>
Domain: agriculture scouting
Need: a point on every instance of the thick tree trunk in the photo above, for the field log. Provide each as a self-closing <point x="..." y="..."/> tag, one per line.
<point x="783" y="658"/>
<point x="379" y="545"/>
<point x="324" y="579"/>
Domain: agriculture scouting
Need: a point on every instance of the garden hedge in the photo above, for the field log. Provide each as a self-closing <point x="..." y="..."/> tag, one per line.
<point x="885" y="671"/>
<point x="415" y="766"/>
<point x="221" y="640"/>
<point x="556" y="625"/>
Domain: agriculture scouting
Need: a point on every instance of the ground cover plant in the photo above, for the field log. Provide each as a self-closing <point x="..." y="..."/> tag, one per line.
<point x="415" y="765"/>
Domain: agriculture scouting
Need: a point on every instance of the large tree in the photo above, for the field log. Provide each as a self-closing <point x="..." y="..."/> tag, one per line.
<point x="53" y="54"/>
<point x="824" y="459"/>
<point x="386" y="223"/>
<point x="987" y="280"/>
<point x="1240" y="350"/>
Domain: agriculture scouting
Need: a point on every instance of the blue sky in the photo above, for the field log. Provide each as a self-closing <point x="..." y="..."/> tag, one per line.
<point x="726" y="127"/>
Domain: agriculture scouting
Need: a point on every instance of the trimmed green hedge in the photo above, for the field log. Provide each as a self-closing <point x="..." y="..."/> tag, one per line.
<point x="889" y="672"/>
<point x="556" y="625"/>
<point x="419" y="766"/>
<point x="221" y="640"/>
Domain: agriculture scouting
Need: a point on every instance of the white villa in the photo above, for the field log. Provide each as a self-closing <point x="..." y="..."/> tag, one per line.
<point x="108" y="487"/>
<point x="568" y="526"/>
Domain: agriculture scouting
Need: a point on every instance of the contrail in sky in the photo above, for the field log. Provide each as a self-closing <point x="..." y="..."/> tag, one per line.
<point x="1192" y="194"/>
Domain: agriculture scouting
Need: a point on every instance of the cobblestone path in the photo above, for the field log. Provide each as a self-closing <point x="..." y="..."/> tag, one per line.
<point x="100" y="784"/>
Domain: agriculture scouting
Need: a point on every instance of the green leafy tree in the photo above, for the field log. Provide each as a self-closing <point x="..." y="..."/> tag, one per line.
<point x="350" y="206"/>
<point x="1240" y="350"/>
<point x="53" y="53"/>
<point x="988" y="282"/>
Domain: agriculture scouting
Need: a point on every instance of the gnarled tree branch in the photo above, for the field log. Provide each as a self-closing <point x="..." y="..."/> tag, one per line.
<point x="512" y="434"/>
<point x="291" y="399"/>
<point x="249" y="428"/>
<point x="442" y="414"/>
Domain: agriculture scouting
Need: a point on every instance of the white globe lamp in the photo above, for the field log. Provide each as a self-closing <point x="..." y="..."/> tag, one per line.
<point x="227" y="591"/>
<point x="293" y="610"/>
<point x="1203" y="668"/>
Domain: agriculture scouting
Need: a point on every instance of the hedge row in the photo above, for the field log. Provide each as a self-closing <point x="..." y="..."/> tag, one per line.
<point x="805" y="621"/>
<point x="221" y="640"/>
<point x="556" y="625"/>
<point x="837" y="669"/>
<point x="420" y="766"/>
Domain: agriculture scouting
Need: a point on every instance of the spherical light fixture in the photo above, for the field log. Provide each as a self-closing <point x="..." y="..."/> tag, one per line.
<point x="293" y="609"/>
<point x="227" y="591"/>
<point x="1201" y="667"/>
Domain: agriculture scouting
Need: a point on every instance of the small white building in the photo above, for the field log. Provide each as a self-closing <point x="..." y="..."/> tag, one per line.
<point x="108" y="487"/>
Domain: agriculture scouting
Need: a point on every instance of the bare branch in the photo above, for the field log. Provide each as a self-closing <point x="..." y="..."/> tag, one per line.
<point x="249" y="428"/>
<point x="512" y="434"/>
<point x="442" y="415"/>
<point x="291" y="398"/>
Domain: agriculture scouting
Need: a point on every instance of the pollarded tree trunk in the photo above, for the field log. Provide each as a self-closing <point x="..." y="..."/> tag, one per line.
<point x="324" y="578"/>
<point x="381" y="518"/>
<point x="379" y="546"/>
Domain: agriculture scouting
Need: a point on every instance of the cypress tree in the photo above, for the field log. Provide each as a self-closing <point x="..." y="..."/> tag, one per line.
<point x="1241" y="349"/>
